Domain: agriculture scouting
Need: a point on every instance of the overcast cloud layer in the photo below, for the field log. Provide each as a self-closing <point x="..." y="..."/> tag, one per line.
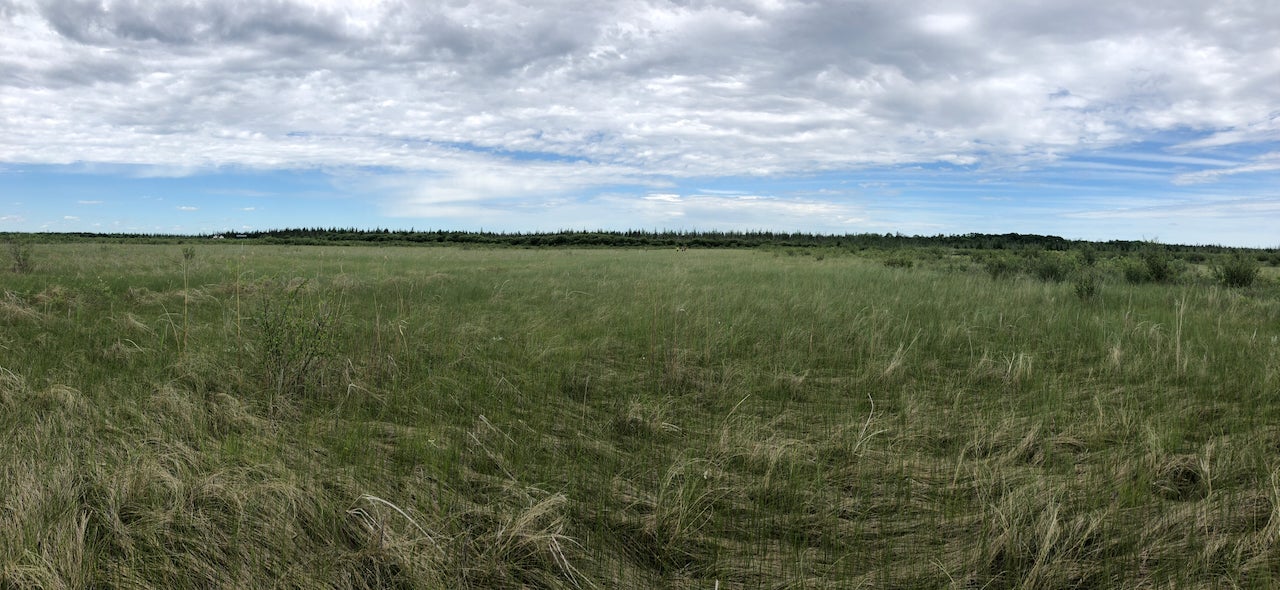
<point x="467" y="107"/>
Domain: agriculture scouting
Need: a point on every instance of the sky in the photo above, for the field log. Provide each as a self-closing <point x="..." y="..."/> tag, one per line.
<point x="1087" y="119"/>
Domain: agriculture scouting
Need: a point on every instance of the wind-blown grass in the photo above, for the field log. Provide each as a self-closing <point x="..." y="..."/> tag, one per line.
<point x="605" y="418"/>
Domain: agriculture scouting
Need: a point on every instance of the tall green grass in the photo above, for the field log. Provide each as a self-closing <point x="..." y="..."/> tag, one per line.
<point x="252" y="416"/>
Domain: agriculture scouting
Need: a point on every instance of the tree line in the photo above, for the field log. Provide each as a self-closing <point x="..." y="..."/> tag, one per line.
<point x="634" y="239"/>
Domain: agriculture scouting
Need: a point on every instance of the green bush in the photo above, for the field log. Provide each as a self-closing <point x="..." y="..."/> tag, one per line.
<point x="1237" y="271"/>
<point x="1159" y="265"/>
<point x="1135" y="271"/>
<point x="1153" y="265"/>
<point x="293" y="340"/>
<point x="1051" y="266"/>
<point x="899" y="261"/>
<point x="20" y="253"/>
<point x="1088" y="255"/>
<point x="999" y="267"/>
<point x="1086" y="285"/>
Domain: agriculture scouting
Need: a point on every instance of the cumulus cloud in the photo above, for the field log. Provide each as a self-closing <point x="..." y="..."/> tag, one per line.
<point x="187" y="208"/>
<point x="501" y="100"/>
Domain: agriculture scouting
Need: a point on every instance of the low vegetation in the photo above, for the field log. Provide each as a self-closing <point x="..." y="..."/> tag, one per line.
<point x="1238" y="270"/>
<point x="234" y="414"/>
<point x="19" y="256"/>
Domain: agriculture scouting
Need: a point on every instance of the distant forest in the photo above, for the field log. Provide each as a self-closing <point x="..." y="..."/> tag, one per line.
<point x="633" y="239"/>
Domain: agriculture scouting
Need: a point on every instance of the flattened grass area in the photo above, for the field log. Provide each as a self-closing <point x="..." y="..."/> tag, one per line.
<point x="258" y="416"/>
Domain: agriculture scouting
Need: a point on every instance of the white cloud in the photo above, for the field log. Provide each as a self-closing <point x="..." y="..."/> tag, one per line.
<point x="741" y="212"/>
<point x="1268" y="162"/>
<point x="948" y="23"/>
<point x="187" y="208"/>
<point x="88" y="202"/>
<point x="497" y="101"/>
<point x="70" y="218"/>
<point x="473" y="181"/>
<point x="1187" y="209"/>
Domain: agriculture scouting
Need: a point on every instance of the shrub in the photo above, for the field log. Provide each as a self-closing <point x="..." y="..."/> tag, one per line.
<point x="1158" y="264"/>
<point x="20" y="253"/>
<point x="1049" y="266"/>
<point x="899" y="261"/>
<point x="1237" y="271"/>
<point x="1153" y="265"/>
<point x="1088" y="255"/>
<point x="1086" y="285"/>
<point x="999" y="267"/>
<point x="293" y="340"/>
<point x="1135" y="271"/>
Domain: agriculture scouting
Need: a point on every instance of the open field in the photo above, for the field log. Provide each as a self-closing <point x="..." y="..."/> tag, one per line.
<point x="227" y="415"/>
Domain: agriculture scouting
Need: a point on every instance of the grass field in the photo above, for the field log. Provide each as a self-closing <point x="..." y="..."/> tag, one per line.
<point x="253" y="416"/>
